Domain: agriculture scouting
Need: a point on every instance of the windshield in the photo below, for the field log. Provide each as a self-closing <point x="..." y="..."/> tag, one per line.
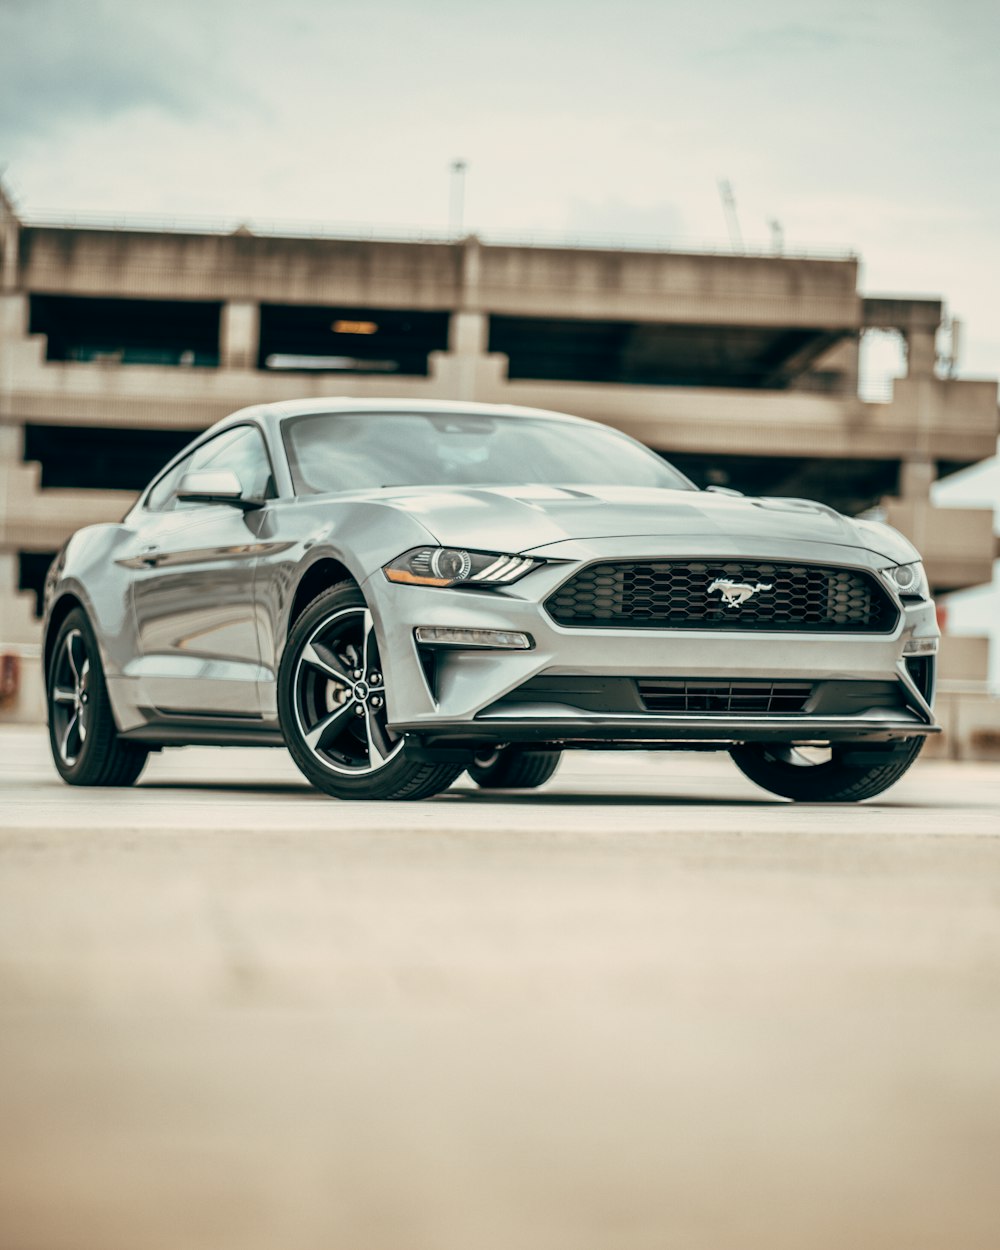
<point x="362" y="451"/>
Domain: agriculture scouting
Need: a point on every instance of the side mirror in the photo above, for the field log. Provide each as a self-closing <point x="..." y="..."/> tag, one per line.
<point x="214" y="486"/>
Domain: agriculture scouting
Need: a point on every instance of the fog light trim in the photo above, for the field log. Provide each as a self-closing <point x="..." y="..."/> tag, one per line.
<point x="492" y="639"/>
<point x="920" y="646"/>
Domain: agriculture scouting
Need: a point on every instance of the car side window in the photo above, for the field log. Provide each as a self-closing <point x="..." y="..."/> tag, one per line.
<point x="162" y="497"/>
<point x="241" y="449"/>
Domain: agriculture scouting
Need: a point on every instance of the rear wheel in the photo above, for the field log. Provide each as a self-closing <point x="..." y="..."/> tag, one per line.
<point x="513" y="768"/>
<point x="832" y="774"/>
<point x="86" y="748"/>
<point x="332" y="705"/>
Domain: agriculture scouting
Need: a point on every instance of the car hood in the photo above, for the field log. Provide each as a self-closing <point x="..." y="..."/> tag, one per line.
<point x="524" y="518"/>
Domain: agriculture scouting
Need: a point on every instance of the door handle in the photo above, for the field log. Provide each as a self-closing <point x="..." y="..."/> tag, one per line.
<point x="150" y="555"/>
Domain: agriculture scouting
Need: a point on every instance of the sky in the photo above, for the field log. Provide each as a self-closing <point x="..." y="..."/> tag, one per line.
<point x="859" y="126"/>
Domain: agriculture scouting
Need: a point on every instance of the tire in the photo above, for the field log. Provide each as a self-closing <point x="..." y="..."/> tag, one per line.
<point x="331" y="704"/>
<point x="514" y="768"/>
<point x="851" y="773"/>
<point x="86" y="748"/>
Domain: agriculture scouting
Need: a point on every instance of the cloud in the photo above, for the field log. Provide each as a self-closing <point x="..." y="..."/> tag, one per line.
<point x="787" y="39"/>
<point x="64" y="63"/>
<point x="617" y="218"/>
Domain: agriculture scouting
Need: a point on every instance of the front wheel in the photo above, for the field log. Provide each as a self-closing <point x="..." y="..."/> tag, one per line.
<point x="833" y="774"/>
<point x="332" y="706"/>
<point x="513" y="768"/>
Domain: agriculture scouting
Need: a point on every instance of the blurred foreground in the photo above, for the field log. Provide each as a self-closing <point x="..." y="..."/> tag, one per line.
<point x="647" y="1007"/>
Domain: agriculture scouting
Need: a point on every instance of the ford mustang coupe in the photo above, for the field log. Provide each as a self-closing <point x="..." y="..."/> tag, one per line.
<point x="403" y="591"/>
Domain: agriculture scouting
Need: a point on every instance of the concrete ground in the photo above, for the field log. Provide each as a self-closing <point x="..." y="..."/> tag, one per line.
<point x="645" y="1008"/>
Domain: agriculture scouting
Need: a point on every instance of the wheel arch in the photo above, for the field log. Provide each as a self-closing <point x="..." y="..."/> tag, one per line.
<point x="62" y="607"/>
<point x="319" y="576"/>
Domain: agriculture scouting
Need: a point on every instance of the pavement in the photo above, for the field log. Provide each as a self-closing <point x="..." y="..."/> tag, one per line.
<point x="645" y="1008"/>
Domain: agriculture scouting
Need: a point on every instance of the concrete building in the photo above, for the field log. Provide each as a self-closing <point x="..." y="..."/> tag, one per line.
<point x="116" y="344"/>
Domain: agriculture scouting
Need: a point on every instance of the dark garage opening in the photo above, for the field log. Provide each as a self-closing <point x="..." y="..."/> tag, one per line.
<point x="128" y="331"/>
<point x="350" y="340"/>
<point x="32" y="567"/>
<point x="96" y="458"/>
<point x="850" y="486"/>
<point x="647" y="354"/>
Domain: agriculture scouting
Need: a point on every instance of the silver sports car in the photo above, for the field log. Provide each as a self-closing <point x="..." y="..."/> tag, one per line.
<point x="399" y="592"/>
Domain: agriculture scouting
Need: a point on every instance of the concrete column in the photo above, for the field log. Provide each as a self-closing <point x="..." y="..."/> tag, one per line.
<point x="8" y="259"/>
<point x="916" y="478"/>
<point x="14" y="322"/>
<point x="472" y="260"/>
<point x="468" y="333"/>
<point x="239" y="335"/>
<point x="11" y="458"/>
<point x="467" y="370"/>
<point x="9" y="242"/>
<point x="921" y="351"/>
<point x="13" y="329"/>
<point x="18" y="626"/>
<point x="14" y="316"/>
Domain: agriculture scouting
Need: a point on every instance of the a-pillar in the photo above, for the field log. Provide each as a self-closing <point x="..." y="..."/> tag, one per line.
<point x="239" y="335"/>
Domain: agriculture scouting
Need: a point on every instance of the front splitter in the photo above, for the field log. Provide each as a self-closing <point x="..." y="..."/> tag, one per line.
<point x="658" y="731"/>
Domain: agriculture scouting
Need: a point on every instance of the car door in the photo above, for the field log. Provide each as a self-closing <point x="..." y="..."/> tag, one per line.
<point x="193" y="586"/>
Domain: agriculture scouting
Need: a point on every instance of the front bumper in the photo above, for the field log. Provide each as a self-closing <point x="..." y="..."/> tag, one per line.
<point x="459" y="697"/>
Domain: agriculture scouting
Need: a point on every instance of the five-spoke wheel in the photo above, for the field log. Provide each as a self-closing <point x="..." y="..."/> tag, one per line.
<point x="340" y="695"/>
<point x="843" y="773"/>
<point x="86" y="748"/>
<point x="513" y="768"/>
<point x="71" y="696"/>
<point x="332" y="701"/>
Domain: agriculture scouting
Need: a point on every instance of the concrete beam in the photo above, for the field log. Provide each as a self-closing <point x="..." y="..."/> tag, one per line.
<point x="893" y="312"/>
<point x="566" y="282"/>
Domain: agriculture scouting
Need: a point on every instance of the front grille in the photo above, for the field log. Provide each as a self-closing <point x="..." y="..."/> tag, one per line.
<point x="749" y="698"/>
<point x="686" y="594"/>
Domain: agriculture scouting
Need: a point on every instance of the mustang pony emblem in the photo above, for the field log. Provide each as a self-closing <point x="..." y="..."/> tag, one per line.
<point x="735" y="594"/>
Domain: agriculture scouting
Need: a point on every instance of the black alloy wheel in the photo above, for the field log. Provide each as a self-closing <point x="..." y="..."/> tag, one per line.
<point x="332" y="705"/>
<point x="86" y="748"/>
<point x="826" y="774"/>
<point x="513" y="768"/>
<point x="70" y="712"/>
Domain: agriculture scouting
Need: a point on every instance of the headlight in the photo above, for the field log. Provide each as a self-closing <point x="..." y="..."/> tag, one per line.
<point x="909" y="580"/>
<point x="451" y="566"/>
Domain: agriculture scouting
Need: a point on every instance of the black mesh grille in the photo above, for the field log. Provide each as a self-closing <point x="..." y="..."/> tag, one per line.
<point x="761" y="698"/>
<point x="685" y="594"/>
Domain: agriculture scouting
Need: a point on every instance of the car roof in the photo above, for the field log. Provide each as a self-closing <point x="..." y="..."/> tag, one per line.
<point x="274" y="413"/>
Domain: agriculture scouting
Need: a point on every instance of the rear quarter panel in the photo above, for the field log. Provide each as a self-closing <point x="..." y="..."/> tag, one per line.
<point x="87" y="569"/>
